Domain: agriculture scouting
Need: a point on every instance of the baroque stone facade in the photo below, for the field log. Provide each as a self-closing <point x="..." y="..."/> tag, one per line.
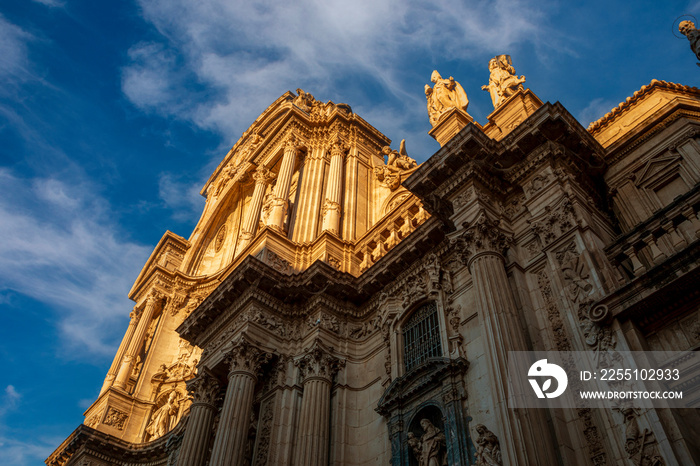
<point x="338" y="303"/>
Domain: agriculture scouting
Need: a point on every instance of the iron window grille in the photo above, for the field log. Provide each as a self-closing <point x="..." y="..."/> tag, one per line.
<point x="421" y="336"/>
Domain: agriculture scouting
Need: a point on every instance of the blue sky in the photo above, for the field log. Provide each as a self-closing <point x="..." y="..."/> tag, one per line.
<point x="113" y="115"/>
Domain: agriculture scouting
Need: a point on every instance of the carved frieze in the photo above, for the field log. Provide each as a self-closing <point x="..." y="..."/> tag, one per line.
<point x="554" y="222"/>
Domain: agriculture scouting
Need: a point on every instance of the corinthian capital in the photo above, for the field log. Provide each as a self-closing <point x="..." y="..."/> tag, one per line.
<point x="337" y="146"/>
<point x="244" y="357"/>
<point x="319" y="362"/>
<point x="262" y="175"/>
<point x="482" y="235"/>
<point x="204" y="388"/>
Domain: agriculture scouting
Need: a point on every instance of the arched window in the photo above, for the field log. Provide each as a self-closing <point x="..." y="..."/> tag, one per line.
<point x="421" y="336"/>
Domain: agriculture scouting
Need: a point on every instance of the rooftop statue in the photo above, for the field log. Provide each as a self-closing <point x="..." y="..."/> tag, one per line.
<point x="503" y="82"/>
<point x="445" y="95"/>
<point x="688" y="29"/>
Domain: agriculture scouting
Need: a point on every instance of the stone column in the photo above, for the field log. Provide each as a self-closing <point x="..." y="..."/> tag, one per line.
<point x="284" y="181"/>
<point x="112" y="373"/>
<point x="317" y="368"/>
<point x="232" y="436"/>
<point x="204" y="390"/>
<point x="484" y="244"/>
<point x="334" y="188"/>
<point x="250" y="223"/>
<point x="137" y="340"/>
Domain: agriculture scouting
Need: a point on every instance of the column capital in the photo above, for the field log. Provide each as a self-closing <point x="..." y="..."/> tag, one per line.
<point x="318" y="362"/>
<point x="337" y="146"/>
<point x="204" y="389"/>
<point x="482" y="236"/>
<point x="244" y="357"/>
<point x="262" y="175"/>
<point x="290" y="143"/>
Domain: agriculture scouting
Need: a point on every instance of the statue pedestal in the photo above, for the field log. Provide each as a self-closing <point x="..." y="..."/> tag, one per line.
<point x="449" y="125"/>
<point x="511" y="113"/>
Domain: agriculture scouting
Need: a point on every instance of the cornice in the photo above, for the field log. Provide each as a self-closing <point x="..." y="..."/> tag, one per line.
<point x="643" y="92"/>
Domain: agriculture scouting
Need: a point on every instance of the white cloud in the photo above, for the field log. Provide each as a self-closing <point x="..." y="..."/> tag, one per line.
<point x="60" y="247"/>
<point x="246" y="54"/>
<point x="20" y="453"/>
<point x="10" y="400"/>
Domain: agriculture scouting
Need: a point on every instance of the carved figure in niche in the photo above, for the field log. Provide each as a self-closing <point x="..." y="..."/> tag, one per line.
<point x="414" y="444"/>
<point x="163" y="418"/>
<point x="431" y="450"/>
<point x="503" y="82"/>
<point x="688" y="29"/>
<point x="445" y="95"/>
<point x="488" y="451"/>
<point x="267" y="209"/>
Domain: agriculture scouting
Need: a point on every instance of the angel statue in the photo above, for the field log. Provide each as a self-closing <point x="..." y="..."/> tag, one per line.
<point x="445" y="95"/>
<point x="687" y="28"/>
<point x="503" y="82"/>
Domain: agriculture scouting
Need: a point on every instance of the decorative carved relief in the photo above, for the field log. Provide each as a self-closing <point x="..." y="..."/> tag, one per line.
<point x="554" y="222"/>
<point x="325" y="321"/>
<point x="275" y="261"/>
<point x="413" y="290"/>
<point x="537" y="183"/>
<point x="642" y="448"/>
<point x="488" y="449"/>
<point x="574" y="272"/>
<point x="318" y="362"/>
<point x="94" y="420"/>
<point x="334" y="262"/>
<point x="115" y="418"/>
<point x="263" y="433"/>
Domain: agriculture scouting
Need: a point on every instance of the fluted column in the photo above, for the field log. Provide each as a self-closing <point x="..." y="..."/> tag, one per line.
<point x="250" y="223"/>
<point x="137" y="340"/>
<point x="112" y="373"/>
<point x="317" y="368"/>
<point x="230" y="443"/>
<point x="284" y="182"/>
<point x="334" y="188"/>
<point x="204" y="390"/>
<point x="483" y="246"/>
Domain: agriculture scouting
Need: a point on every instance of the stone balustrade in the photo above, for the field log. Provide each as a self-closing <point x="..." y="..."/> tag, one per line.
<point x="662" y="235"/>
<point x="389" y="232"/>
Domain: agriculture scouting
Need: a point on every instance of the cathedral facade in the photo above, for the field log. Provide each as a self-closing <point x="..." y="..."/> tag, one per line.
<point x="337" y="303"/>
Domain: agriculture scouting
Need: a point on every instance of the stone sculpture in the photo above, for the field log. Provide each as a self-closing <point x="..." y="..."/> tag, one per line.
<point x="688" y="29"/>
<point x="503" y="82"/>
<point x="488" y="451"/>
<point x="445" y="95"/>
<point x="163" y="418"/>
<point x="397" y="163"/>
<point x="431" y="449"/>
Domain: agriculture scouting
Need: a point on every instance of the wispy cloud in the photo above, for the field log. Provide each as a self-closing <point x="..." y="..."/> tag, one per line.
<point x="182" y="198"/>
<point x="595" y="110"/>
<point x="14" y="60"/>
<point x="246" y="54"/>
<point x="60" y="247"/>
